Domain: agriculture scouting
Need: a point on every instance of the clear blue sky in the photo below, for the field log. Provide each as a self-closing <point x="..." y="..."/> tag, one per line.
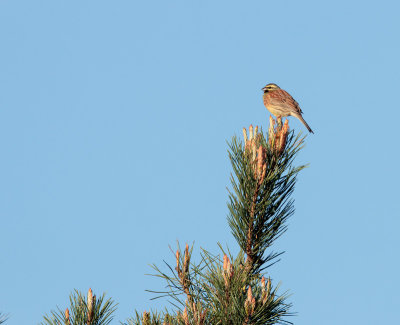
<point x="114" y="117"/>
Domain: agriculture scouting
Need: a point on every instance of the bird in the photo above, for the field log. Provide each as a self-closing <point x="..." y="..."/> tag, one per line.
<point x="280" y="103"/>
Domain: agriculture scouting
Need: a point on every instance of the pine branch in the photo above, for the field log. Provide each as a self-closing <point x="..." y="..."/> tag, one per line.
<point x="263" y="180"/>
<point x="90" y="311"/>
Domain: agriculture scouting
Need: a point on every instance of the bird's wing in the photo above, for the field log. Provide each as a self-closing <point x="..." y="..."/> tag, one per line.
<point x="282" y="97"/>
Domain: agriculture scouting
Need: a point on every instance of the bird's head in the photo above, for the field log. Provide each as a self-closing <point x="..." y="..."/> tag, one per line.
<point x="269" y="87"/>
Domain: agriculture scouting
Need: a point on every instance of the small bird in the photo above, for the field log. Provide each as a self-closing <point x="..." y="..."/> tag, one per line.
<point x="280" y="103"/>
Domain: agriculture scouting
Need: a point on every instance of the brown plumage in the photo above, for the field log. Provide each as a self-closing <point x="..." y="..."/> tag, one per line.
<point x="281" y="104"/>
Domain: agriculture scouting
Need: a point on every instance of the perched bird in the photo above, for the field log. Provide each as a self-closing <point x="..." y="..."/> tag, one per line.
<point x="281" y="104"/>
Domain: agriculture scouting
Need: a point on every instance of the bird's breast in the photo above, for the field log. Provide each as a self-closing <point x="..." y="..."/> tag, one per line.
<point x="267" y="99"/>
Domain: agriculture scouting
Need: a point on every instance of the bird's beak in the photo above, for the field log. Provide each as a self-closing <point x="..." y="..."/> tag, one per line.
<point x="264" y="89"/>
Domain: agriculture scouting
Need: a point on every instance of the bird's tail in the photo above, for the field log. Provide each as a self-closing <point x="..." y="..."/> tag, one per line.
<point x="304" y="122"/>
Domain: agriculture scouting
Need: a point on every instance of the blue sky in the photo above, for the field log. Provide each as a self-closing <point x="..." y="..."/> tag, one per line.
<point x="114" y="117"/>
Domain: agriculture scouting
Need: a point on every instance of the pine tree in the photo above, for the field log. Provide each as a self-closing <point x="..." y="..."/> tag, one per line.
<point x="223" y="289"/>
<point x="227" y="290"/>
